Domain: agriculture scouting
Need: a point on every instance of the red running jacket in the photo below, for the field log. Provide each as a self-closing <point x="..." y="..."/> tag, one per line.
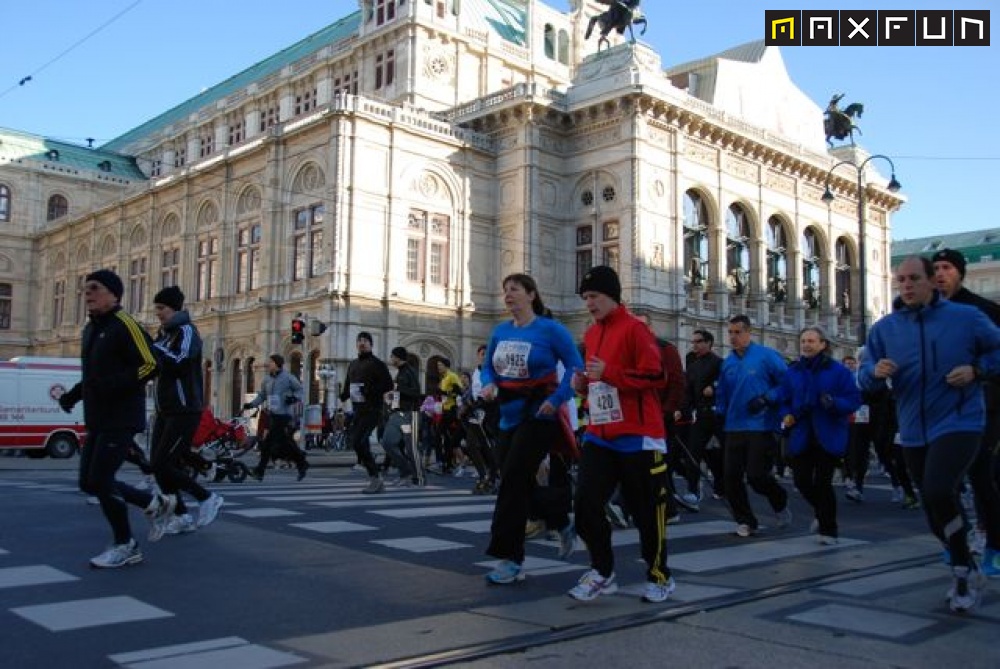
<point x="632" y="365"/>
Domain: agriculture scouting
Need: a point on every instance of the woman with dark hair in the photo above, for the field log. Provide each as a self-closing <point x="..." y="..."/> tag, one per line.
<point x="520" y="370"/>
<point x="818" y="396"/>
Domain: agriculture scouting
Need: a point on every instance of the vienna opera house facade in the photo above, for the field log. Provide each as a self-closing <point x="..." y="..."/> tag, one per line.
<point x="386" y="172"/>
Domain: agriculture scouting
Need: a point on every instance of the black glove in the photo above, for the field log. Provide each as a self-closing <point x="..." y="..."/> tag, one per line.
<point x="66" y="403"/>
<point x="826" y="401"/>
<point x="247" y="406"/>
<point x="757" y="404"/>
<point x="290" y="400"/>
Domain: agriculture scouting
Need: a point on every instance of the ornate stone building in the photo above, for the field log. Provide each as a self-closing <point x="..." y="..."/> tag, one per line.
<point x="386" y="172"/>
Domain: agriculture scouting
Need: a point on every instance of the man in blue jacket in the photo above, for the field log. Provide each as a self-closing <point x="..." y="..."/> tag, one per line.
<point x="935" y="353"/>
<point x="746" y="399"/>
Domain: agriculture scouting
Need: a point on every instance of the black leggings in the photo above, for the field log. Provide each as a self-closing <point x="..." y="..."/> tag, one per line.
<point x="938" y="470"/>
<point x="171" y="440"/>
<point x="100" y="459"/>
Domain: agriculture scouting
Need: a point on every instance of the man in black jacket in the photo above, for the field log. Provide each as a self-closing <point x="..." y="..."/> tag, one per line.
<point x="949" y="273"/>
<point x="703" y="368"/>
<point x="367" y="382"/>
<point x="179" y="403"/>
<point x="402" y="401"/>
<point x="117" y="362"/>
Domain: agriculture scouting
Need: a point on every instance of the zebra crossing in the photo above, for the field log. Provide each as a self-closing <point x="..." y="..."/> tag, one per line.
<point x="442" y="520"/>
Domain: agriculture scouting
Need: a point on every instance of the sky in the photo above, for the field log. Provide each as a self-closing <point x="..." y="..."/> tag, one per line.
<point x="102" y="67"/>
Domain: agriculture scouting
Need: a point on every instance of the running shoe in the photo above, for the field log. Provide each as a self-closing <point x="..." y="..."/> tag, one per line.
<point x="119" y="555"/>
<point x="534" y="528"/>
<point x="654" y="593"/>
<point x="209" y="509"/>
<point x="966" y="590"/>
<point x="991" y="562"/>
<point x="744" y="530"/>
<point x="506" y="572"/>
<point x="854" y="495"/>
<point x="159" y="511"/>
<point x="181" y="524"/>
<point x="592" y="584"/>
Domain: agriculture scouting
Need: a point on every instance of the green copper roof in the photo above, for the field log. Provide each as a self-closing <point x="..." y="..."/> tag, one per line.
<point x="974" y="245"/>
<point x="19" y="146"/>
<point x="332" y="34"/>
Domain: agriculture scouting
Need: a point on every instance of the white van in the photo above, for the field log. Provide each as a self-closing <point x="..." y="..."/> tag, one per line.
<point x="30" y="417"/>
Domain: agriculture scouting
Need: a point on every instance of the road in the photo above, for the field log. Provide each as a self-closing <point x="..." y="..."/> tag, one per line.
<point x="315" y="574"/>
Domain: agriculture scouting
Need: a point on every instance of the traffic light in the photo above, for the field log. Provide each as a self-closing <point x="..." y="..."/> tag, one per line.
<point x="316" y="327"/>
<point x="298" y="330"/>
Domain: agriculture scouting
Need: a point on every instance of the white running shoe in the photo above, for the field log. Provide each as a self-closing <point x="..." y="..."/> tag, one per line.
<point x="592" y="584"/>
<point x="209" y="509"/>
<point x="658" y="592"/>
<point x="181" y="524"/>
<point x="159" y="511"/>
<point x="119" y="555"/>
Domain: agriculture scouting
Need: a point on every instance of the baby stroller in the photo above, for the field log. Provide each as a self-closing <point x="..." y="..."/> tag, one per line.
<point x="217" y="445"/>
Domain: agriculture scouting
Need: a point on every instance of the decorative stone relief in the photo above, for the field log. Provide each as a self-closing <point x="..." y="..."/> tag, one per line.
<point x="810" y="192"/>
<point x="780" y="182"/>
<point x="310" y="178"/>
<point x="742" y="168"/>
<point x="700" y="153"/>
<point x="249" y="201"/>
<point x="507" y="258"/>
<point x="427" y="185"/>
<point x="844" y="206"/>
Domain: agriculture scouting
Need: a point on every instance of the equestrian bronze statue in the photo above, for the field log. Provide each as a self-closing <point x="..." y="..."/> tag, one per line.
<point x="839" y="123"/>
<point x="621" y="14"/>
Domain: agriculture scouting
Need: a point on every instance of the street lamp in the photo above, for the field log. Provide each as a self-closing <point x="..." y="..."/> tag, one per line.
<point x="893" y="186"/>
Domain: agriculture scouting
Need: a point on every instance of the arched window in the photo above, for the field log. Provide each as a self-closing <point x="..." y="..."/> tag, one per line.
<point x="58" y="207"/>
<point x="777" y="259"/>
<point x="4" y="203"/>
<point x="6" y="300"/>
<point x="810" y="269"/>
<point x="695" y="239"/>
<point x="564" y="47"/>
<point x="251" y="379"/>
<point x="843" y="276"/>
<point x="737" y="249"/>
<point x="235" y="386"/>
<point x="549" y="37"/>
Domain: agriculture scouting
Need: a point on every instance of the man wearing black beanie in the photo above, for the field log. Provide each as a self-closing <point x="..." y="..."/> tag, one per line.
<point x="117" y="361"/>
<point x="984" y="474"/>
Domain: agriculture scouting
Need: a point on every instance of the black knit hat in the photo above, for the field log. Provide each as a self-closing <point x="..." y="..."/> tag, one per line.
<point x="171" y="296"/>
<point x="400" y="353"/>
<point x="953" y="257"/>
<point x="109" y="280"/>
<point x="602" y="279"/>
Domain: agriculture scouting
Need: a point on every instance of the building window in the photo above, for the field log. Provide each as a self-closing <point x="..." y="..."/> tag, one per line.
<point x="248" y="259"/>
<point x="208" y="264"/>
<point x="170" y="267"/>
<point x="385" y="10"/>
<point x="206" y="143"/>
<point x="58" y="302"/>
<point x="843" y="277"/>
<point x="584" y="251"/>
<point x="305" y="101"/>
<point x="810" y="269"/>
<point x="695" y="239"/>
<point x="136" y="284"/>
<point x="427" y="247"/>
<point x="346" y="84"/>
<point x="564" y="47"/>
<point x="441" y="8"/>
<point x="737" y="250"/>
<point x="268" y="117"/>
<point x="6" y="297"/>
<point x="156" y="168"/>
<point x="4" y="203"/>
<point x="307" y="243"/>
<point x="80" y="312"/>
<point x="58" y="207"/>
<point x="180" y="157"/>
<point x="237" y="131"/>
<point x="385" y="69"/>
<point x="777" y="259"/>
<point x="549" y="41"/>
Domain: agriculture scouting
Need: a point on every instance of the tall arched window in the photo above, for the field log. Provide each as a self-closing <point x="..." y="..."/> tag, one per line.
<point x="58" y="207"/>
<point x="737" y="249"/>
<point x="564" y="47"/>
<point x="549" y="39"/>
<point x="251" y="378"/>
<point x="843" y="276"/>
<point x="6" y="304"/>
<point x="4" y="203"/>
<point x="695" y="239"/>
<point x="777" y="259"/>
<point x="810" y="269"/>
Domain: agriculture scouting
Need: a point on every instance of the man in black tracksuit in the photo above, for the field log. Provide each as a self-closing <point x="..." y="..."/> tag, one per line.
<point x="703" y="368"/>
<point x="117" y="361"/>
<point x="949" y="272"/>
<point x="402" y="403"/>
<point x="179" y="403"/>
<point x="367" y="382"/>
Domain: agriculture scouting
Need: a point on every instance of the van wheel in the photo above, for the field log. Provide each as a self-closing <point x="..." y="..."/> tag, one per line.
<point x="61" y="446"/>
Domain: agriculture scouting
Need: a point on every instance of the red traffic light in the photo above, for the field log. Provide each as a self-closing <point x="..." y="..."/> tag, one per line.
<point x="298" y="330"/>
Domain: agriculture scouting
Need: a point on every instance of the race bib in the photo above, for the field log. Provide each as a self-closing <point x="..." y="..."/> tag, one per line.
<point x="605" y="407"/>
<point x="510" y="359"/>
<point x="357" y="392"/>
<point x="862" y="415"/>
<point x="394" y="400"/>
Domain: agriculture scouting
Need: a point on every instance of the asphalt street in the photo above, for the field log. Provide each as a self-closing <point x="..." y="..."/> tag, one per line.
<point x="315" y="574"/>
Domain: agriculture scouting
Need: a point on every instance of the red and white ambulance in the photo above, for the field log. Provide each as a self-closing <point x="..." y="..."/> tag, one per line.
<point x="30" y="417"/>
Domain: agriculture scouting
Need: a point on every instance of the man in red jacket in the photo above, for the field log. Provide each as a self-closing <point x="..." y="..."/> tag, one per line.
<point x="625" y="442"/>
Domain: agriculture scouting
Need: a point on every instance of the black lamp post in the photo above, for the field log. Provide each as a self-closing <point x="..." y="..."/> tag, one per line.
<point x="893" y="186"/>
